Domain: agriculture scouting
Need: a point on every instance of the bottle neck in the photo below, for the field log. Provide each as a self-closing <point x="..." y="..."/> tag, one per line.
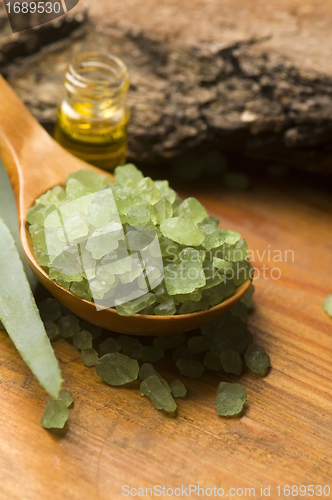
<point x="97" y="79"/>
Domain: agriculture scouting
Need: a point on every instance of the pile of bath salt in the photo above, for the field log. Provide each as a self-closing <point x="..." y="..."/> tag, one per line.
<point x="135" y="245"/>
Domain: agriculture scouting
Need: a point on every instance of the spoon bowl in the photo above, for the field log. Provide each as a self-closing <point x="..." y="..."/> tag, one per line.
<point x="36" y="163"/>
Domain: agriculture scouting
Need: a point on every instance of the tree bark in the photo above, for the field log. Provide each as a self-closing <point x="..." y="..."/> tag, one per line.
<point x="240" y="96"/>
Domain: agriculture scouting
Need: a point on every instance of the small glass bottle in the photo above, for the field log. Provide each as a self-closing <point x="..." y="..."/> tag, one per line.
<point x="92" y="116"/>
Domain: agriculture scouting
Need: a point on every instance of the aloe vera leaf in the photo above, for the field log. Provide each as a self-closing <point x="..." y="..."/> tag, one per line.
<point x="9" y="214"/>
<point x="20" y="317"/>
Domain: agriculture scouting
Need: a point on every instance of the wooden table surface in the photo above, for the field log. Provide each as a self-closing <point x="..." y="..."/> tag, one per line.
<point x="114" y="437"/>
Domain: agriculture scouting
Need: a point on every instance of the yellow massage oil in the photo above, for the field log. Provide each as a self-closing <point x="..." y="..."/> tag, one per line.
<point x="93" y="115"/>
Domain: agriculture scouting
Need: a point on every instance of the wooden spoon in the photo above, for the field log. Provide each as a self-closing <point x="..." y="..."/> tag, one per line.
<point x="36" y="163"/>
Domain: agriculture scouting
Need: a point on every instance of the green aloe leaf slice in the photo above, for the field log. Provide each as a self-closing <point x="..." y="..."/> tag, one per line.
<point x="20" y="317"/>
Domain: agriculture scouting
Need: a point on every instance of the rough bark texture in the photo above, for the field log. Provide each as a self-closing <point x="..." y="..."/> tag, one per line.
<point x="238" y="95"/>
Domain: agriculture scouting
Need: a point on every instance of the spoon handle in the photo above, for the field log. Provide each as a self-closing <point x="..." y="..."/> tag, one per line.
<point x="33" y="160"/>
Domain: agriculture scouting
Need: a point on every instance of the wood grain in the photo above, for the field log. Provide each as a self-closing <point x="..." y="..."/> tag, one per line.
<point x="114" y="437"/>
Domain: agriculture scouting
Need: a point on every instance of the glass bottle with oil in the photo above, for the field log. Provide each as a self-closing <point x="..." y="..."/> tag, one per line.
<point x="93" y="115"/>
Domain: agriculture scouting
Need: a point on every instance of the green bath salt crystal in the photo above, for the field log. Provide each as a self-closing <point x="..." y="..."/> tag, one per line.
<point x="106" y="277"/>
<point x="247" y="299"/>
<point x="139" y="238"/>
<point x="52" y="329"/>
<point x="42" y="257"/>
<point x="183" y="231"/>
<point x="166" y="192"/>
<point x="165" y="384"/>
<point x="99" y="212"/>
<point x="168" y="249"/>
<point x="138" y="215"/>
<point x="81" y="289"/>
<point x="166" y="308"/>
<point x="128" y="175"/>
<point x="66" y="277"/>
<point x="38" y="213"/>
<point x="327" y="304"/>
<point x="82" y="340"/>
<point x="190" y="368"/>
<point x="215" y="239"/>
<point x="68" y="326"/>
<point x="104" y="239"/>
<point x="163" y="210"/>
<point x="196" y="345"/>
<point x="75" y="189"/>
<point x="207" y="227"/>
<point x="130" y="346"/>
<point x="117" y="369"/>
<point x="66" y="397"/>
<point x="109" y="345"/>
<point x="76" y="227"/>
<point x="234" y="336"/>
<point x="147" y="310"/>
<point x="95" y="330"/>
<point x="218" y="293"/>
<point x="212" y="361"/>
<point x="153" y="388"/>
<point x="89" y="357"/>
<point x="151" y="353"/>
<point x="242" y="271"/>
<point x="213" y="276"/>
<point x="50" y="310"/>
<point x="62" y="283"/>
<point x="223" y="265"/>
<point x="183" y="278"/>
<point x="257" y="360"/>
<point x="232" y="237"/>
<point x="231" y="361"/>
<point x="178" y="389"/>
<point x="64" y="309"/>
<point x="191" y="255"/>
<point x="124" y="198"/>
<point x="215" y="327"/>
<point x="135" y="305"/>
<point x="240" y="311"/>
<point x="55" y="195"/>
<point x="55" y="415"/>
<point x="88" y="178"/>
<point x="146" y="371"/>
<point x="194" y="296"/>
<point x="133" y="352"/>
<point x="237" y="252"/>
<point x="149" y="190"/>
<point x="192" y="307"/>
<point x="230" y="399"/>
<point x="192" y="210"/>
<point x="151" y="279"/>
<point x="135" y="272"/>
<point x="99" y="288"/>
